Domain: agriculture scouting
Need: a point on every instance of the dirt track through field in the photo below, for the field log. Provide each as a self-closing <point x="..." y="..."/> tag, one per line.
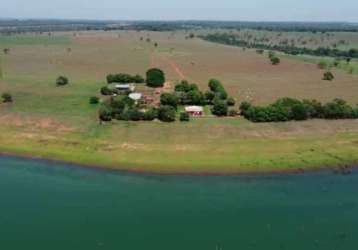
<point x="175" y="67"/>
<point x="165" y="62"/>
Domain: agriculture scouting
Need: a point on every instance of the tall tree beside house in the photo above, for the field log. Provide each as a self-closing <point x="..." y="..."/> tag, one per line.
<point x="155" y="78"/>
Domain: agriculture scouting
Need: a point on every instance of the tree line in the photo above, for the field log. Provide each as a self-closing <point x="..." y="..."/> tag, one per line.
<point x="288" y="109"/>
<point x="231" y="39"/>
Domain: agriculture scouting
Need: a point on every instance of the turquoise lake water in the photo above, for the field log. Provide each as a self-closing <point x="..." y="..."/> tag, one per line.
<point x="54" y="206"/>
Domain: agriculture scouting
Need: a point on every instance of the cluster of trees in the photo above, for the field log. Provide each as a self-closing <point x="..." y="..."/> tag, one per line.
<point x="124" y="78"/>
<point x="6" y="97"/>
<point x="154" y="78"/>
<point x="232" y="39"/>
<point x="220" y="98"/>
<point x="287" y="109"/>
<point x="189" y="94"/>
<point x="124" y="108"/>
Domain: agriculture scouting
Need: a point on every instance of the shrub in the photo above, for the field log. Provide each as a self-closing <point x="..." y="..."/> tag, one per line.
<point x="106" y="91"/>
<point x="166" y="113"/>
<point x="299" y="112"/>
<point x="256" y="114"/>
<point x="275" y="60"/>
<point x="138" y="79"/>
<point x="328" y="76"/>
<point x="267" y="114"/>
<point x="184" y="117"/>
<point x="155" y="78"/>
<point x="216" y="87"/>
<point x="123" y="116"/>
<point x="338" y="109"/>
<point x="220" y="108"/>
<point x="124" y="78"/>
<point x="94" y="100"/>
<point x="184" y="86"/>
<point x="286" y="102"/>
<point x="135" y="114"/>
<point x="314" y="108"/>
<point x="169" y="99"/>
<point x="244" y="106"/>
<point x="233" y="112"/>
<point x="120" y="103"/>
<point x="105" y="113"/>
<point x="111" y="78"/>
<point x="6" y="97"/>
<point x="271" y="54"/>
<point x="336" y="62"/>
<point x="194" y="97"/>
<point x="209" y="97"/>
<point x="322" y="65"/>
<point x="355" y="113"/>
<point x="150" y="114"/>
<point x="260" y="51"/>
<point x="286" y="109"/>
<point x="61" y="81"/>
<point x="231" y="101"/>
<point x="221" y="94"/>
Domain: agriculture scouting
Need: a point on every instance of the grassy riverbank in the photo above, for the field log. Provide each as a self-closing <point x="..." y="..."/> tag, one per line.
<point x="204" y="146"/>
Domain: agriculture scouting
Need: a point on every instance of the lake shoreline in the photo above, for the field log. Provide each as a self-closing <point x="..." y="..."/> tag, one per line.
<point x="338" y="169"/>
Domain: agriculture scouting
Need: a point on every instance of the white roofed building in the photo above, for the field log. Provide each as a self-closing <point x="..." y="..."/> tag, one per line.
<point x="195" y="110"/>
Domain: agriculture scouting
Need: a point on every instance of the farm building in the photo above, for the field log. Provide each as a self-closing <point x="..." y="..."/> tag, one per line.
<point x="195" y="110"/>
<point x="125" y="87"/>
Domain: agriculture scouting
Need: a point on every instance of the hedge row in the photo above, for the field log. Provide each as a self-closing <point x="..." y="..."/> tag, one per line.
<point x="288" y="109"/>
<point x="124" y="78"/>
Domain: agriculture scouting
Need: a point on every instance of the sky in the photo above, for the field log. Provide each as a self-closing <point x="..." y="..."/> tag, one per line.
<point x="238" y="10"/>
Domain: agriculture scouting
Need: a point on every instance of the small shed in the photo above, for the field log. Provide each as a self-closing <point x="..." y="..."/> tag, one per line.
<point x="195" y="111"/>
<point x="135" y="96"/>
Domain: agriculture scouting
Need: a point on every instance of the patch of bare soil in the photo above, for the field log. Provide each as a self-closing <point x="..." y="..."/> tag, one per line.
<point x="31" y="122"/>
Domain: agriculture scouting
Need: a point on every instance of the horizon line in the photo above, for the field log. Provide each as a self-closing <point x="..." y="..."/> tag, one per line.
<point x="170" y="20"/>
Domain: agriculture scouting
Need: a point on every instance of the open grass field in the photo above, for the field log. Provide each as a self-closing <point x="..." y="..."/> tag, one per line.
<point x="59" y="123"/>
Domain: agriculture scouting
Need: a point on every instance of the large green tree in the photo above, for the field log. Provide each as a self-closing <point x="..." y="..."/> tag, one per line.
<point x="155" y="78"/>
<point x="166" y="113"/>
<point x="169" y="99"/>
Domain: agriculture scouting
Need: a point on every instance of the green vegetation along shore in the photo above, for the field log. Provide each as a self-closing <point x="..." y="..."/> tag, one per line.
<point x="203" y="146"/>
